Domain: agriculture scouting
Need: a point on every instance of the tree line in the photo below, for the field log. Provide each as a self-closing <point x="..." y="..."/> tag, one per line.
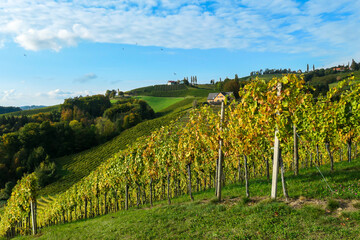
<point x="9" y="109"/>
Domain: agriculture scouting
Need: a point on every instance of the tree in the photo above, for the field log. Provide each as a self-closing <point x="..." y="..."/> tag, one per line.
<point x="37" y="156"/>
<point x="232" y="86"/>
<point x="354" y="66"/>
<point x="307" y="68"/>
<point x="236" y="78"/>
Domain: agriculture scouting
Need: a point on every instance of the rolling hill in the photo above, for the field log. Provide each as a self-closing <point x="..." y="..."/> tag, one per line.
<point x="201" y="90"/>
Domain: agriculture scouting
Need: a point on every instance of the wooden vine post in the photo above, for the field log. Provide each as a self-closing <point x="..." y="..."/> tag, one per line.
<point x="296" y="151"/>
<point x="276" y="159"/>
<point x="219" y="172"/>
<point x="126" y="196"/>
<point x="33" y="216"/>
<point x="189" y="175"/>
<point x="246" y="177"/>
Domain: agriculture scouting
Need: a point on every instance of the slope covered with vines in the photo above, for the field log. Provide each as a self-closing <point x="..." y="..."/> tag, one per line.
<point x="182" y="157"/>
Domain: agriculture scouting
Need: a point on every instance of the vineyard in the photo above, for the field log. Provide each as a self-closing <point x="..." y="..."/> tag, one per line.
<point x="174" y="91"/>
<point x="76" y="166"/>
<point x="185" y="157"/>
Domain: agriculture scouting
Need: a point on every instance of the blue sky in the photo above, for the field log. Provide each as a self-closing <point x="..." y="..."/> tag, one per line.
<point x="51" y="50"/>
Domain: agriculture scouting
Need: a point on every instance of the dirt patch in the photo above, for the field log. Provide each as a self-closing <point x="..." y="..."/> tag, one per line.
<point x="344" y="204"/>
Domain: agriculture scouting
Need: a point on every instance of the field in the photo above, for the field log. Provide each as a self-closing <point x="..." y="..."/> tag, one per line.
<point x="313" y="212"/>
<point x="33" y="111"/>
<point x="160" y="103"/>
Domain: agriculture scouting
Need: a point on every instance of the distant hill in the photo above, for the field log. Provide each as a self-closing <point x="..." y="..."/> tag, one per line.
<point x="32" y="107"/>
<point x="31" y="112"/>
<point x="9" y="109"/>
<point x="178" y="90"/>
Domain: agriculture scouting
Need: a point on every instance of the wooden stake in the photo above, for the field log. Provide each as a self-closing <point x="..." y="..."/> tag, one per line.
<point x="246" y="177"/>
<point x="219" y="172"/>
<point x="296" y="151"/>
<point x="276" y="158"/>
<point x="33" y="216"/>
<point x="126" y="197"/>
<point x="189" y="173"/>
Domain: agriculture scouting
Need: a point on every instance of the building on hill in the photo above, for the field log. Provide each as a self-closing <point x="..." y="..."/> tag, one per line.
<point x="217" y="98"/>
<point x="339" y="69"/>
<point x="171" y="83"/>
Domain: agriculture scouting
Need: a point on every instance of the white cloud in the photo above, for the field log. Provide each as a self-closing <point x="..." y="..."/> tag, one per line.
<point x="61" y="94"/>
<point x="7" y="95"/>
<point x="86" y="78"/>
<point x="277" y="25"/>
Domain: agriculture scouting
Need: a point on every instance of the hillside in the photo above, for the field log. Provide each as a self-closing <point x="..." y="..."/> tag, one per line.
<point x="181" y="90"/>
<point x="160" y="103"/>
<point x="4" y="110"/>
<point x="76" y="166"/>
<point x="32" y="107"/>
<point x="312" y="212"/>
<point x="182" y="157"/>
<point x="33" y="111"/>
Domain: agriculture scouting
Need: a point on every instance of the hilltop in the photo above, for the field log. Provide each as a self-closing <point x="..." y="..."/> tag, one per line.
<point x="177" y="90"/>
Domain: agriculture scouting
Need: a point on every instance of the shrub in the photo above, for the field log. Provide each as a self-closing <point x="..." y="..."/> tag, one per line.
<point x="332" y="204"/>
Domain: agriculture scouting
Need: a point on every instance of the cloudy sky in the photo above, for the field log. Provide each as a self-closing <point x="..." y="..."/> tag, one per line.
<point x="55" y="49"/>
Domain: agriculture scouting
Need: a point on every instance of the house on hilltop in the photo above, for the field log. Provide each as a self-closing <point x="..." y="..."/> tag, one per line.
<point x="216" y="98"/>
<point x="171" y="83"/>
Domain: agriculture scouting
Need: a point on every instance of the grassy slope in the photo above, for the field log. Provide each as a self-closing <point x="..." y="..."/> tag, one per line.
<point x="33" y="111"/>
<point x="159" y="103"/>
<point x="236" y="218"/>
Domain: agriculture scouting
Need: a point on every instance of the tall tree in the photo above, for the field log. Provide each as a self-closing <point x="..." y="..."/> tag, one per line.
<point x="354" y="66"/>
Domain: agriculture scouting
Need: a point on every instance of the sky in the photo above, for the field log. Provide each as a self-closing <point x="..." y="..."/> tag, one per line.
<point x="51" y="50"/>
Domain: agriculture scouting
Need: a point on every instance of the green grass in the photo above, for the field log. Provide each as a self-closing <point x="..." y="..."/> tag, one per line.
<point x="33" y="111"/>
<point x="182" y="105"/>
<point x="236" y="217"/>
<point x="332" y="204"/>
<point x="160" y="103"/>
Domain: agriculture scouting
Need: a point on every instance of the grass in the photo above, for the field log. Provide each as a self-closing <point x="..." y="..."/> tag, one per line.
<point x="236" y="217"/>
<point x="184" y="104"/>
<point x="332" y="204"/>
<point x="33" y="111"/>
<point x="160" y="103"/>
